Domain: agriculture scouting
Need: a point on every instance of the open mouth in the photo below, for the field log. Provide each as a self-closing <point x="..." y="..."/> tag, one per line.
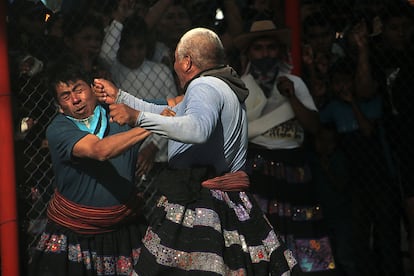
<point x="81" y="110"/>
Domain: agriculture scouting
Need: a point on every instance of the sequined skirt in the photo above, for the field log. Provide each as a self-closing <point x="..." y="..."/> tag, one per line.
<point x="62" y="252"/>
<point x="219" y="233"/>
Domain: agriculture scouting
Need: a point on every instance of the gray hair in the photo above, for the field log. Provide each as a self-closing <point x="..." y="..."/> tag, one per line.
<point x="203" y="46"/>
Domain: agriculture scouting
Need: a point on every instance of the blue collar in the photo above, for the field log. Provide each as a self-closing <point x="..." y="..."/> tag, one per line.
<point x="95" y="124"/>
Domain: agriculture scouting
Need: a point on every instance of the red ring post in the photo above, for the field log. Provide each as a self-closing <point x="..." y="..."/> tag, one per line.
<point x="9" y="244"/>
<point x="292" y="20"/>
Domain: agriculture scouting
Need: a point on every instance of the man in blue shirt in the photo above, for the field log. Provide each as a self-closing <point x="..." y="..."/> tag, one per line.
<point x="94" y="223"/>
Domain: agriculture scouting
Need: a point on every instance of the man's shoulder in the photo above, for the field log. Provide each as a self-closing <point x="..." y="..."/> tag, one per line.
<point x="58" y="125"/>
<point x="58" y="119"/>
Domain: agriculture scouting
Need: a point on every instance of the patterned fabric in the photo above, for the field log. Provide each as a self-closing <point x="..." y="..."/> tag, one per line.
<point x="220" y="233"/>
<point x="61" y="252"/>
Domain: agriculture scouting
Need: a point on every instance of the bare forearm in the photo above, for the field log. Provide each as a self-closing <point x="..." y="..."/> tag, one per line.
<point x="309" y="119"/>
<point x="109" y="147"/>
<point x="363" y="76"/>
<point x="234" y="19"/>
<point x="156" y="11"/>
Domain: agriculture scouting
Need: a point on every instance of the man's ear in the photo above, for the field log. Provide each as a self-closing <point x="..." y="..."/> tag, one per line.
<point x="188" y="63"/>
<point x="59" y="108"/>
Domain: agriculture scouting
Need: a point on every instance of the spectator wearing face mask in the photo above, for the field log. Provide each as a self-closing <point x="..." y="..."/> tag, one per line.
<point x="280" y="112"/>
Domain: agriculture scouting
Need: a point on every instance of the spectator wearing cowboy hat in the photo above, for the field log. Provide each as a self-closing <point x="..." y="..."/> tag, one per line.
<point x="280" y="111"/>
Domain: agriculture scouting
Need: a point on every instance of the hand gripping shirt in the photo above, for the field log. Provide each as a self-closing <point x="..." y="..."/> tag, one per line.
<point x="210" y="126"/>
<point x="86" y="181"/>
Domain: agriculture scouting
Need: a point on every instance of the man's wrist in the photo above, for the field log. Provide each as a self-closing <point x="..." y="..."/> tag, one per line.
<point x="118" y="95"/>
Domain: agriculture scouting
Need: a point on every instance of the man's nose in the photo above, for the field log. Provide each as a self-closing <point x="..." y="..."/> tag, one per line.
<point x="75" y="98"/>
<point x="266" y="52"/>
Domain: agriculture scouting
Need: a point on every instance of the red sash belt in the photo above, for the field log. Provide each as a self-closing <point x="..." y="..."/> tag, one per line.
<point x="229" y="182"/>
<point x="90" y="220"/>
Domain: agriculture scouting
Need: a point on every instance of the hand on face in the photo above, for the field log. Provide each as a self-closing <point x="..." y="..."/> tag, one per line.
<point x="105" y="91"/>
<point x="123" y="114"/>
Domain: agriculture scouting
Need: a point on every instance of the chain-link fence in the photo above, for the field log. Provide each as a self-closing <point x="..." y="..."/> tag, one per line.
<point x="373" y="37"/>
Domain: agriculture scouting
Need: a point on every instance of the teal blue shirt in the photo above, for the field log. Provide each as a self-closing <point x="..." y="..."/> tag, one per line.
<point x="86" y="181"/>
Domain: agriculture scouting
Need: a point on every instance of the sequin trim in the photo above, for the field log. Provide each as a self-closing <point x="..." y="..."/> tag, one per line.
<point x="180" y="259"/>
<point x="289" y="258"/>
<point x="190" y="218"/>
<point x="104" y="265"/>
<point x="202" y="261"/>
<point x="242" y="211"/>
<point x="52" y="243"/>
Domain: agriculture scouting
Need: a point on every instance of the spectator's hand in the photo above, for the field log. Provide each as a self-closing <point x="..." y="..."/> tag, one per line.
<point x="285" y="86"/>
<point x="359" y="34"/>
<point x="123" y="114"/>
<point x="125" y="9"/>
<point x="26" y="124"/>
<point x="105" y="91"/>
<point x="30" y="66"/>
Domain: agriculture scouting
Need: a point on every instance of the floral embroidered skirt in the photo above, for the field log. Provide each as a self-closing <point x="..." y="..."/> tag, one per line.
<point x="219" y="233"/>
<point x="61" y="252"/>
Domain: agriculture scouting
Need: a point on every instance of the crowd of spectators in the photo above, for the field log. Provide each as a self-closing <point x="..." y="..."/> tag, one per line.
<point x="354" y="164"/>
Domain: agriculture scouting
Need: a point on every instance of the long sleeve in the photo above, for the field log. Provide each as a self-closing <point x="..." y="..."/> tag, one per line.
<point x="195" y="121"/>
<point x="196" y="116"/>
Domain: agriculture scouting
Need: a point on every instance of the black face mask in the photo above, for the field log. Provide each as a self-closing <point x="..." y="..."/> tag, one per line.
<point x="265" y="71"/>
<point x="263" y="66"/>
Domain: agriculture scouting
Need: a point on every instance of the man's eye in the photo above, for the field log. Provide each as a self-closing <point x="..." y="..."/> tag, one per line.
<point x="79" y="89"/>
<point x="65" y="97"/>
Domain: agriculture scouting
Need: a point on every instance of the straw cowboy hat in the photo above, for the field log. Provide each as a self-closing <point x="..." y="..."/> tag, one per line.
<point x="262" y="28"/>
